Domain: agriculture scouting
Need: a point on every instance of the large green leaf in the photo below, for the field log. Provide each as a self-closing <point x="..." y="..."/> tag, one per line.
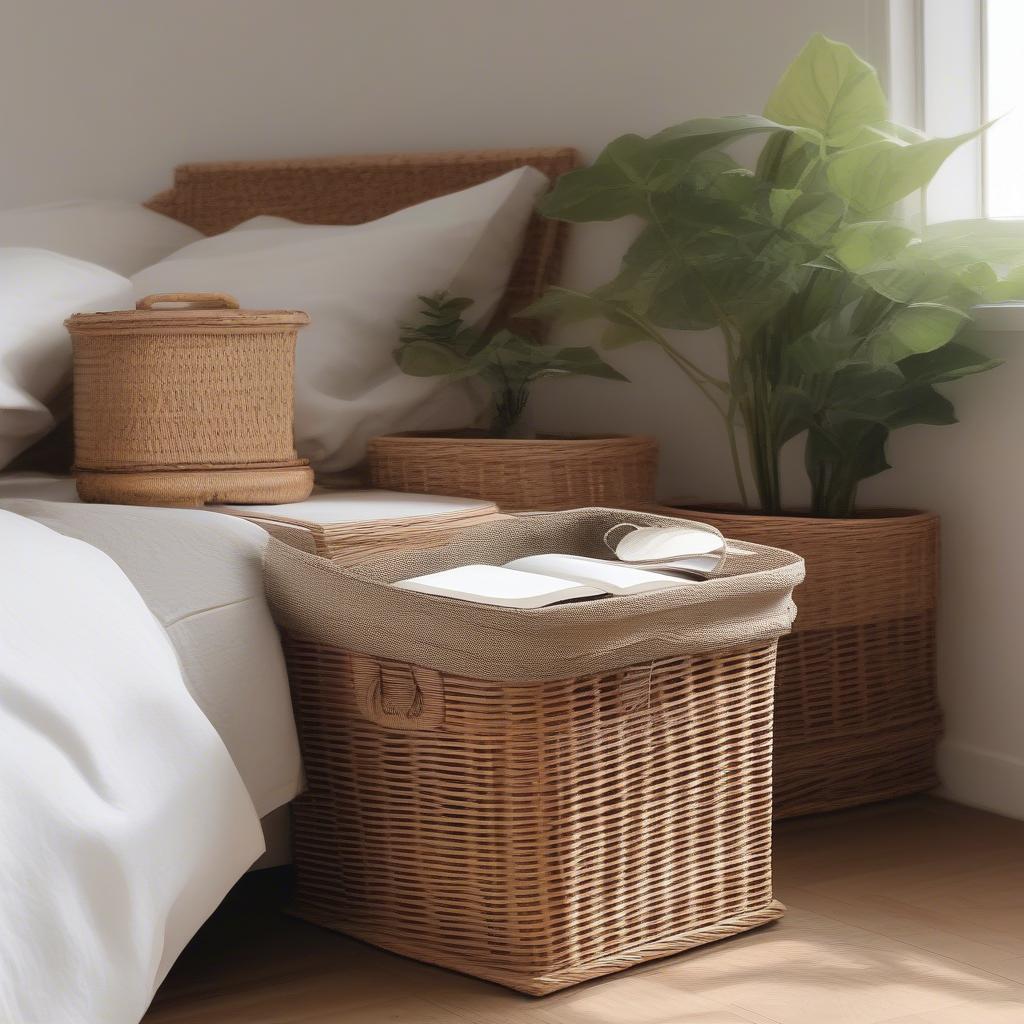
<point x="910" y="281"/>
<point x="920" y="405"/>
<point x="873" y="177"/>
<point x="779" y="202"/>
<point x="920" y="327"/>
<point x="866" y="244"/>
<point x="1001" y="241"/>
<point x="619" y="180"/>
<point x="704" y="171"/>
<point x="948" y="363"/>
<point x="826" y="346"/>
<point x="685" y="141"/>
<point x="1009" y="288"/>
<point x="829" y="89"/>
<point x="985" y="256"/>
<point x="855" y="390"/>
<point x="812" y="215"/>
<point x="580" y="360"/>
<point x="694" y="295"/>
<point x="612" y="187"/>
<point x="788" y="160"/>
<point x="883" y="395"/>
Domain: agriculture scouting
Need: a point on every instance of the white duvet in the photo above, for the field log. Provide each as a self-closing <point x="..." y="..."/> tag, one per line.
<point x="123" y="817"/>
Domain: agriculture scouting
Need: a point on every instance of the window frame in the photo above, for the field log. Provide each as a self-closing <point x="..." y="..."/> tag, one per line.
<point x="908" y="40"/>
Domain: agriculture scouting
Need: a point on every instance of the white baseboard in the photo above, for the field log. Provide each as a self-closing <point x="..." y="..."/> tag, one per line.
<point x="981" y="778"/>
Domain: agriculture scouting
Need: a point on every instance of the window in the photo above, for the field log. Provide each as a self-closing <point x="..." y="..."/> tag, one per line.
<point x="953" y="65"/>
<point x="950" y="66"/>
<point x="1002" y="87"/>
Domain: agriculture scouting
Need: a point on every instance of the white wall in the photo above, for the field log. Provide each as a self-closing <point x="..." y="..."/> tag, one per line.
<point x="971" y="473"/>
<point x="103" y="97"/>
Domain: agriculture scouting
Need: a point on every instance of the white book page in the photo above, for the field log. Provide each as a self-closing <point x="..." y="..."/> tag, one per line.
<point x="497" y="585"/>
<point x="614" y="577"/>
<point x="694" y="563"/>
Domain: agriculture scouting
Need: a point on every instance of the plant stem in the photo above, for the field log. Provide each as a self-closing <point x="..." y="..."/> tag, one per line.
<point x="733" y="348"/>
<point x="729" y="413"/>
<point x="662" y="342"/>
<point x="734" y="452"/>
<point x="702" y="379"/>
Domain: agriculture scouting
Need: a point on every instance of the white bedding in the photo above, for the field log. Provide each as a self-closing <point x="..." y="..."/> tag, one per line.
<point x="201" y="575"/>
<point x="123" y="817"/>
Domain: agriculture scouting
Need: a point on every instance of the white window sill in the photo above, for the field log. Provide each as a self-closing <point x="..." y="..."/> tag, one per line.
<point x="1003" y="316"/>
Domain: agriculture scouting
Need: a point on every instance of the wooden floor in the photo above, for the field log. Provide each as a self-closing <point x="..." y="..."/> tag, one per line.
<point x="910" y="912"/>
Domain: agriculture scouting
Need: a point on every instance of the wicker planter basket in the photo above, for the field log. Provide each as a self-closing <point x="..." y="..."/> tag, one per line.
<point x="547" y="473"/>
<point x="856" y="713"/>
<point x="186" y="406"/>
<point x="532" y="797"/>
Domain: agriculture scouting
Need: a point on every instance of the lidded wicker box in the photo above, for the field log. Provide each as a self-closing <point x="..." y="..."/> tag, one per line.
<point x="533" y="796"/>
<point x="186" y="405"/>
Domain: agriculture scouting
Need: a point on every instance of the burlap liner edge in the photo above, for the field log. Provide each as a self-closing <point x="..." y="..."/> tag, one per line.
<point x="353" y="607"/>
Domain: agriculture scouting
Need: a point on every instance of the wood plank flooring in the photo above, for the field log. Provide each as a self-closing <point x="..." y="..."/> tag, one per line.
<point x="910" y="912"/>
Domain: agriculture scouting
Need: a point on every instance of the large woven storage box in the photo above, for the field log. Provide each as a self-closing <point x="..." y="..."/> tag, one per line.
<point x="534" y="797"/>
<point x="186" y="405"/>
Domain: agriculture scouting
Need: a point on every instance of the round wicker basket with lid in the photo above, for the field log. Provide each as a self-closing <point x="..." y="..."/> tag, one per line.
<point x="186" y="400"/>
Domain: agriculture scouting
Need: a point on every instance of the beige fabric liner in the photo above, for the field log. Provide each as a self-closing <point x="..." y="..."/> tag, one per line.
<point x="748" y="601"/>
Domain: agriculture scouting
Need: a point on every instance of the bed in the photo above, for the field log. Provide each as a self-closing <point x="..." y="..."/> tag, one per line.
<point x="139" y="663"/>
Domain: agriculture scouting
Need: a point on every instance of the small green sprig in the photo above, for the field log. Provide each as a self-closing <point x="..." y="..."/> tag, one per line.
<point x="440" y="344"/>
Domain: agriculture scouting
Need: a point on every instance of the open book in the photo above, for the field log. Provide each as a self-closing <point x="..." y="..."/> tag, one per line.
<point x="537" y="581"/>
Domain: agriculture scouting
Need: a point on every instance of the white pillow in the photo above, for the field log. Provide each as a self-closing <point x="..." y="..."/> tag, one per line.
<point x="38" y="290"/>
<point x="357" y="283"/>
<point x="120" y="236"/>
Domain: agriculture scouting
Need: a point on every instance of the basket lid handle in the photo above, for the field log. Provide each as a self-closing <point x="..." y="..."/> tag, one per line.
<point x="190" y="300"/>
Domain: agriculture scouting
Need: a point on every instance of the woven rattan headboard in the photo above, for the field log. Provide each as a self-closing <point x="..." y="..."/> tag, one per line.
<point x="213" y="197"/>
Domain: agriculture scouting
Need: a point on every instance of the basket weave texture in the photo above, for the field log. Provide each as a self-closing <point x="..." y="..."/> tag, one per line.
<point x="521" y="825"/>
<point x="541" y="833"/>
<point x="519" y="475"/>
<point x="186" y="405"/>
<point x="857" y="717"/>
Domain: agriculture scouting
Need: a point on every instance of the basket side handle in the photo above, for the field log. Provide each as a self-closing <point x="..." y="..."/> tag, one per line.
<point x="190" y="300"/>
<point x="396" y="695"/>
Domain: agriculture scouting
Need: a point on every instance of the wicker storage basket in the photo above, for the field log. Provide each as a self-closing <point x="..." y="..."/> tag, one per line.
<point x="546" y="473"/>
<point x="186" y="406"/>
<point x="532" y="797"/>
<point x="856" y="712"/>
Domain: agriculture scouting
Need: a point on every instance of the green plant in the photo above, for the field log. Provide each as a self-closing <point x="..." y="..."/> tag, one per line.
<point x="838" y="317"/>
<point x="440" y="344"/>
